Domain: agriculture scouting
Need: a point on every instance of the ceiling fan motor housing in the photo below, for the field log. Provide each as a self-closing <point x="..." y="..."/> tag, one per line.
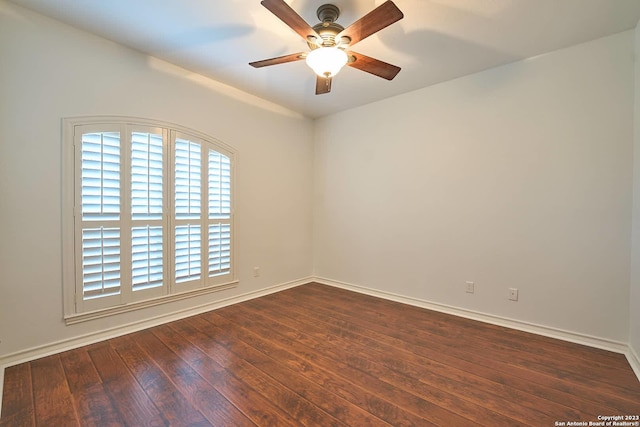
<point x="327" y="28"/>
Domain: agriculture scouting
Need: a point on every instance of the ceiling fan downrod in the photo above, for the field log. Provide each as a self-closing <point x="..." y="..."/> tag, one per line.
<point x="328" y="14"/>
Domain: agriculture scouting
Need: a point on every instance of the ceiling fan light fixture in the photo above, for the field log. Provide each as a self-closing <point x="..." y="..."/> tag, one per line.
<point x="329" y="41"/>
<point x="327" y="61"/>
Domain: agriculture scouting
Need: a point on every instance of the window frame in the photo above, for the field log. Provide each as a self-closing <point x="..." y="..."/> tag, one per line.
<point x="75" y="308"/>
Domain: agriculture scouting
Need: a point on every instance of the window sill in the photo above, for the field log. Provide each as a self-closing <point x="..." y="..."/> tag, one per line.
<point x="125" y="308"/>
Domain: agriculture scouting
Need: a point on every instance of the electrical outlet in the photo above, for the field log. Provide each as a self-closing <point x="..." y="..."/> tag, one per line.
<point x="513" y="294"/>
<point x="256" y="271"/>
<point x="470" y="287"/>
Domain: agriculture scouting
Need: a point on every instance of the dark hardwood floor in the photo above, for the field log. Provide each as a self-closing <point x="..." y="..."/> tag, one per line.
<point x="320" y="356"/>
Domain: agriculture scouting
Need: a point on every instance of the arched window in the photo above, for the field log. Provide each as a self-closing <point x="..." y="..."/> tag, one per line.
<point x="152" y="208"/>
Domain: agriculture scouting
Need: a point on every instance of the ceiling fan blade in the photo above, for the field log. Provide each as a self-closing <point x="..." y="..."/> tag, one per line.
<point x="289" y="16"/>
<point x="323" y="85"/>
<point x="278" y="60"/>
<point x="373" y="66"/>
<point x="382" y="16"/>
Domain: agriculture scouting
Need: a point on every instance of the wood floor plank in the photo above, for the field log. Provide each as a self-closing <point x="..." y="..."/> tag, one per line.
<point x="19" y="419"/>
<point x="254" y="406"/>
<point x="367" y="359"/>
<point x="79" y="370"/>
<point x="413" y="373"/>
<point x="493" y="334"/>
<point x="301" y="410"/>
<point x="52" y="397"/>
<point x="94" y="407"/>
<point x="208" y="336"/>
<point x="92" y="403"/>
<point x="483" y="337"/>
<point x="17" y="400"/>
<point x="442" y="362"/>
<point x="316" y="355"/>
<point x="218" y="382"/>
<point x="383" y="400"/>
<point x="173" y="405"/>
<point x="130" y="400"/>
<point x="619" y="399"/>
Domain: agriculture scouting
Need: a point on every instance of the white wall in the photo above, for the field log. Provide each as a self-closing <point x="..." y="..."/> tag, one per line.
<point x="519" y="176"/>
<point x="634" y="299"/>
<point x="49" y="71"/>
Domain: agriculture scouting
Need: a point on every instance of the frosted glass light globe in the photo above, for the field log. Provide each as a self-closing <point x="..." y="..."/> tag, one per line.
<point x="327" y="61"/>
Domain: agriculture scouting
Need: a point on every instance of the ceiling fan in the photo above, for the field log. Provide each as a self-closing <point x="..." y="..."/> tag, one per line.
<point x="330" y="42"/>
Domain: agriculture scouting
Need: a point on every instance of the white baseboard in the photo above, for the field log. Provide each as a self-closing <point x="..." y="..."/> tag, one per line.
<point x="574" y="337"/>
<point x="82" y="340"/>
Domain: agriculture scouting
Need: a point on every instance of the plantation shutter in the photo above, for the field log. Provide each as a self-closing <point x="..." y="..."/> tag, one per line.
<point x="219" y="169"/>
<point x="147" y="207"/>
<point x="152" y="214"/>
<point x="188" y="203"/>
<point x="100" y="213"/>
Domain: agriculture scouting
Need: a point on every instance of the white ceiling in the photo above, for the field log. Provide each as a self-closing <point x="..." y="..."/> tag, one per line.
<point x="437" y="40"/>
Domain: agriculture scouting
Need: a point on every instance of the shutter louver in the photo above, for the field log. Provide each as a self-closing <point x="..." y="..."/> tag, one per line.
<point x="219" y="185"/>
<point x="146" y="257"/>
<point x="101" y="176"/>
<point x="219" y="249"/>
<point x="188" y="179"/>
<point x="100" y="262"/>
<point x="146" y="176"/>
<point x="188" y="255"/>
